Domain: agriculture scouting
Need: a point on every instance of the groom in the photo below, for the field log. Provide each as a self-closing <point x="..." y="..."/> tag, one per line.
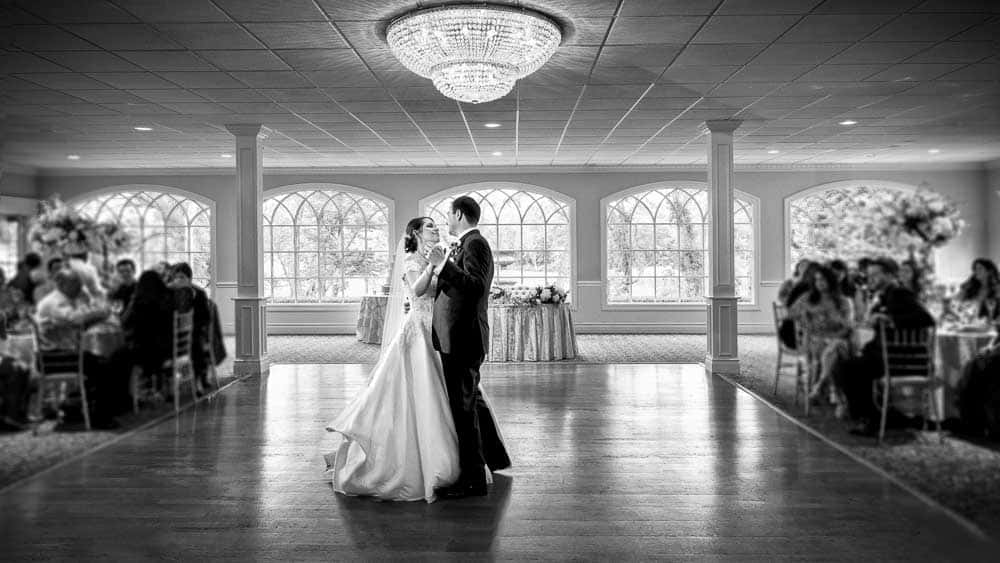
<point x="461" y="334"/>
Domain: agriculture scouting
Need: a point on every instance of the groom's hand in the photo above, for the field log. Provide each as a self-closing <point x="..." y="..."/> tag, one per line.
<point x="437" y="256"/>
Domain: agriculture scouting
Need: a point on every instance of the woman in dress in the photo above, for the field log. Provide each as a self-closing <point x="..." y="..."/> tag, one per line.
<point x="399" y="438"/>
<point x="826" y="317"/>
<point x="982" y="290"/>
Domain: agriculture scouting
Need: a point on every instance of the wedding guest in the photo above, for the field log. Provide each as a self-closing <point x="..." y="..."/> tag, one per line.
<point x="60" y="317"/>
<point x="191" y="296"/>
<point x="979" y="393"/>
<point x="25" y="279"/>
<point x="826" y="316"/>
<point x="164" y="269"/>
<point x="785" y="291"/>
<point x="909" y="277"/>
<point x="983" y="289"/>
<point x="15" y="388"/>
<point x="147" y="322"/>
<point x="91" y="279"/>
<point x="123" y="284"/>
<point x="47" y="284"/>
<point x="850" y="290"/>
<point x="891" y="304"/>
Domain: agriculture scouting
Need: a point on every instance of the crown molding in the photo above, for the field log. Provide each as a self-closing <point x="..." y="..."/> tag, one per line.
<point x="701" y="168"/>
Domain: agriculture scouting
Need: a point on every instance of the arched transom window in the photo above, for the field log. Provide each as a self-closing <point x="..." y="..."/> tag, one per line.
<point x="829" y="223"/>
<point x="658" y="249"/>
<point x="166" y="226"/>
<point x="324" y="245"/>
<point x="529" y="231"/>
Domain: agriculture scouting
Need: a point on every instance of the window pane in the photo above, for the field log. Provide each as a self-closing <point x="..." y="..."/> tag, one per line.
<point x="308" y="237"/>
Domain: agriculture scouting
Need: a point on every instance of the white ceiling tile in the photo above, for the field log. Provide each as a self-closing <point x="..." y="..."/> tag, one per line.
<point x="654" y="30"/>
<point x="69" y="11"/>
<point x="126" y="36"/>
<point x="841" y="73"/>
<point x="834" y="28"/>
<point x="914" y="72"/>
<point x="957" y="52"/>
<point x="299" y="35"/>
<point x="717" y="55"/>
<point x="174" y="11"/>
<point x="744" y="7"/>
<point x="743" y="29"/>
<point x="242" y="60"/>
<point x="798" y="53"/>
<point x="769" y="73"/>
<point x="202" y="79"/>
<point x="63" y="81"/>
<point x="211" y="36"/>
<point x="166" y="60"/>
<point x="269" y="10"/>
<point x="15" y="63"/>
<point x="40" y="38"/>
<point x="132" y="80"/>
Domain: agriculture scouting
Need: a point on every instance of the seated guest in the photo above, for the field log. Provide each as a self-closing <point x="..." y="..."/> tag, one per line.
<point x="848" y="288"/>
<point x="15" y="378"/>
<point x="91" y="279"/>
<point x="123" y="284"/>
<point x="982" y="289"/>
<point x="60" y="316"/>
<point x="785" y="292"/>
<point x="147" y="322"/>
<point x="826" y="316"/>
<point x="891" y="304"/>
<point x="46" y="285"/>
<point x="26" y="278"/>
<point x="909" y="277"/>
<point x="164" y="269"/>
<point x="191" y="296"/>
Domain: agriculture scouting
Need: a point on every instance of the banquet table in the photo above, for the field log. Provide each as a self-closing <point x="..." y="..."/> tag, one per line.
<point x="371" y="318"/>
<point x="531" y="333"/>
<point x="954" y="349"/>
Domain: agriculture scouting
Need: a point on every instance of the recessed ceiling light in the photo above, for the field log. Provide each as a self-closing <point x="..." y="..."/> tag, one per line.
<point x="73" y="157"/>
<point x="934" y="151"/>
<point x="497" y="153"/>
<point x="143" y="128"/>
<point x="848" y="122"/>
<point x="226" y="155"/>
<point x="491" y="125"/>
<point x="773" y="151"/>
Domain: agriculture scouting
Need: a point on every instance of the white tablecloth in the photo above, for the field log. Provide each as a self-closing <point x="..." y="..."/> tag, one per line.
<point x="371" y="317"/>
<point x="536" y="333"/>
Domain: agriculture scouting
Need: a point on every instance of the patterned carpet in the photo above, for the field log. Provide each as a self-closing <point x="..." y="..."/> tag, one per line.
<point x="592" y="349"/>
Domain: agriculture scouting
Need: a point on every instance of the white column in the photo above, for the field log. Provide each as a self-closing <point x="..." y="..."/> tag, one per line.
<point x="251" y="310"/>
<point x="723" y="356"/>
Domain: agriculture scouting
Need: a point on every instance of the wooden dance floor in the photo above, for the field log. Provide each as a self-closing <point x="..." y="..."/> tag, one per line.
<point x="610" y="462"/>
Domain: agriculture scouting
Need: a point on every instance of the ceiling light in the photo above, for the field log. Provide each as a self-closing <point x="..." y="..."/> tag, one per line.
<point x="773" y="151"/>
<point x="491" y="125"/>
<point x="226" y="155"/>
<point x="497" y="153"/>
<point x="143" y="128"/>
<point x="73" y="157"/>
<point x="934" y="151"/>
<point x="848" y="122"/>
<point x="473" y="52"/>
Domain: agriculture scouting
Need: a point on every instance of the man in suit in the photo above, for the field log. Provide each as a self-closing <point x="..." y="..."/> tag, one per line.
<point x="461" y="334"/>
<point x="900" y="309"/>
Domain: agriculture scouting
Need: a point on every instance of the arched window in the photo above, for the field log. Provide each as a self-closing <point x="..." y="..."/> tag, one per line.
<point x="658" y="249"/>
<point x="827" y="222"/>
<point x="166" y="226"/>
<point x="529" y="230"/>
<point x="10" y="234"/>
<point x="324" y="244"/>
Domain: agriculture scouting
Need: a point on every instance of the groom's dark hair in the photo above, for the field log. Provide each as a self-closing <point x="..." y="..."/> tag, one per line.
<point x="469" y="208"/>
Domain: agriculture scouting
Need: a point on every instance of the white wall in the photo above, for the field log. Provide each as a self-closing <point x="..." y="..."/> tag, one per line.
<point x="993" y="211"/>
<point x="967" y="186"/>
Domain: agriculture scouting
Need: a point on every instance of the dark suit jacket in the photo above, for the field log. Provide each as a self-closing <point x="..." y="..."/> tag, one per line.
<point x="906" y="312"/>
<point x="461" y="327"/>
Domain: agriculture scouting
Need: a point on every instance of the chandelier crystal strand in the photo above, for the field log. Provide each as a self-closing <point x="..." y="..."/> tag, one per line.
<point x="473" y="53"/>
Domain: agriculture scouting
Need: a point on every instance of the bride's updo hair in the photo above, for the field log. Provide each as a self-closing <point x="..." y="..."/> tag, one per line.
<point x="410" y="236"/>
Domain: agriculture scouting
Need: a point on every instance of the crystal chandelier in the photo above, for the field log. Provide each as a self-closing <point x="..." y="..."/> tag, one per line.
<point x="473" y="52"/>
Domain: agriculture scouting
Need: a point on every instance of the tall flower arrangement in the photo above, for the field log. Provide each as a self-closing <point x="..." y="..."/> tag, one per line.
<point x="60" y="230"/>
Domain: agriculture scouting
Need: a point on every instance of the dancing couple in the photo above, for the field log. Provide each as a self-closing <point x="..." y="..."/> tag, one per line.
<point x="423" y="427"/>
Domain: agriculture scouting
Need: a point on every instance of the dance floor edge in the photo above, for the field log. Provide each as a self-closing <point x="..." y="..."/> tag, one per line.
<point x="610" y="461"/>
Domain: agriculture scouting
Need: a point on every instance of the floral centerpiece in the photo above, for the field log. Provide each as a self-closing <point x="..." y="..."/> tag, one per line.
<point x="60" y="230"/>
<point x="525" y="295"/>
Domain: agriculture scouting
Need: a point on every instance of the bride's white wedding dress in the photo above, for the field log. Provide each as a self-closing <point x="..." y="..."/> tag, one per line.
<point x="399" y="437"/>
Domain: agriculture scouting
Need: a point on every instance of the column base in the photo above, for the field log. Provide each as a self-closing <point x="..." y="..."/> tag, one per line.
<point x="251" y="368"/>
<point x="722" y="366"/>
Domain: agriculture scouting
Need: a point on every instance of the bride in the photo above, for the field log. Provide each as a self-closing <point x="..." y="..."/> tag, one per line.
<point x="399" y="438"/>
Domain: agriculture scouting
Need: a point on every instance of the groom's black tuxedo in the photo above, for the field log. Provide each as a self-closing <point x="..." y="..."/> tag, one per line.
<point x="461" y="327"/>
<point x="461" y="333"/>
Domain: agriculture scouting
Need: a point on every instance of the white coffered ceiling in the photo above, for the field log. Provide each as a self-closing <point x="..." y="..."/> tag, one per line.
<point x="630" y="86"/>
